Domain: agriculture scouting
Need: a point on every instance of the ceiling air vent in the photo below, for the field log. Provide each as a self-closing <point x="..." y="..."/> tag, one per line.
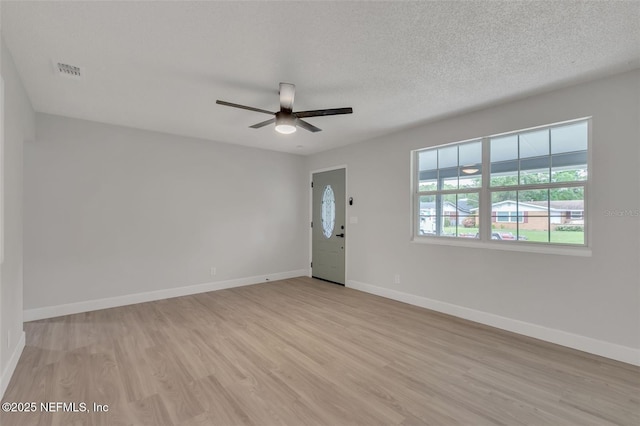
<point x="67" y="70"/>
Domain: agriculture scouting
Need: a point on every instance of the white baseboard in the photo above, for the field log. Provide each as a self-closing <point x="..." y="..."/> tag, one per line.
<point x="575" y="341"/>
<point x="130" y="299"/>
<point x="11" y="366"/>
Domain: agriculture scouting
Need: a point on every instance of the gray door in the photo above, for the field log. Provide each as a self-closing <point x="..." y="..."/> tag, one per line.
<point x="328" y="236"/>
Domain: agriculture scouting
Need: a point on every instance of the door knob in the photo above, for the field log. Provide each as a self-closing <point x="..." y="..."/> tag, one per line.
<point x="340" y="235"/>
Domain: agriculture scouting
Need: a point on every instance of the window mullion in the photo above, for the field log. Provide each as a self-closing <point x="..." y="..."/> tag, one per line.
<point x="484" y="207"/>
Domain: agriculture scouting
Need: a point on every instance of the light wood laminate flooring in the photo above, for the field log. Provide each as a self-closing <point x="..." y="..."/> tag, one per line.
<point x="306" y="352"/>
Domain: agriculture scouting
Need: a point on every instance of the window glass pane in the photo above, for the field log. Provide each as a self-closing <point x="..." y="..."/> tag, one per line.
<point x="534" y="170"/>
<point x="448" y="178"/>
<point x="427" y="183"/>
<point x="533" y="215"/>
<point x="470" y="177"/>
<point x="428" y="160"/>
<point x="569" y="138"/>
<point x="504" y="160"/>
<point x="428" y="170"/>
<point x="504" y="213"/>
<point x="504" y="173"/>
<point x="567" y="215"/>
<point x="448" y="157"/>
<point x="569" y="167"/>
<point x="504" y="148"/>
<point x="471" y="153"/>
<point x="534" y="144"/>
<point x="448" y="216"/>
<point x="470" y="174"/>
<point x="467" y="216"/>
<point x="427" y="225"/>
<point x="328" y="211"/>
<point x="448" y="167"/>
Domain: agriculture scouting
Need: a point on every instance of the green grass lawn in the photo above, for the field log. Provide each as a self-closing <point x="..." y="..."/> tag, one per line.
<point x="563" y="237"/>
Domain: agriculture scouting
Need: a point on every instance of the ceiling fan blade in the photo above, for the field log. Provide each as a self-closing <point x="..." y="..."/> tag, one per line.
<point x="287" y="93"/>
<point x="264" y="123"/>
<point x="321" y="112"/>
<point x="219" y="102"/>
<point x="308" y="126"/>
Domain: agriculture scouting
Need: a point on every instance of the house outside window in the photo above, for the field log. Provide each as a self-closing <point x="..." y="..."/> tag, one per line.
<point x="526" y="187"/>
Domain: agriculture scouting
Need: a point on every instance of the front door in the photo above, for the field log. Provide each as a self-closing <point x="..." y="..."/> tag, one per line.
<point x="328" y="233"/>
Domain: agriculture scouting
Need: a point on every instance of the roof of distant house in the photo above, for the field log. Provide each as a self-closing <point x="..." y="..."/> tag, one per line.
<point x="561" y="204"/>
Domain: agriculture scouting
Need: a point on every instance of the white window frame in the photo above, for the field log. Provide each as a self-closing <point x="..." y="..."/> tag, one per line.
<point x="485" y="208"/>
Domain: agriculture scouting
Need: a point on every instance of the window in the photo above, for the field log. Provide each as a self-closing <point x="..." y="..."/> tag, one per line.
<point x="328" y="211"/>
<point x="449" y="181"/>
<point x="523" y="187"/>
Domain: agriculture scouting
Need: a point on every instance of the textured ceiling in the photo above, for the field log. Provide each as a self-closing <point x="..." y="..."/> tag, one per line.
<point x="161" y="65"/>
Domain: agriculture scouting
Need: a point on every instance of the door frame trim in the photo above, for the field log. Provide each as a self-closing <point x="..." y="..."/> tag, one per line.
<point x="346" y="217"/>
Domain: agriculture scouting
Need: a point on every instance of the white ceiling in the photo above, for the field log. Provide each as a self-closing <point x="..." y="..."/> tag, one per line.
<point x="161" y="65"/>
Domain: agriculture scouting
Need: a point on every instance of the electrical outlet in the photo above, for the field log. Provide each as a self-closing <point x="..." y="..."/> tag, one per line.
<point x="213" y="271"/>
<point x="396" y="279"/>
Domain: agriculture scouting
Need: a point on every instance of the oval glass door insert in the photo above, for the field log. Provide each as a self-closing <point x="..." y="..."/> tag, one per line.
<point x="328" y="211"/>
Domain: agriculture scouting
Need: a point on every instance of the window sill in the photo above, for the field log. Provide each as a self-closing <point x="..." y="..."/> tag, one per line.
<point x="541" y="248"/>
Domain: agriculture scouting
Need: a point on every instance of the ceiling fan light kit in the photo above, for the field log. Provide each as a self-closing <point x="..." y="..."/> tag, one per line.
<point x="286" y="120"/>
<point x="285" y="123"/>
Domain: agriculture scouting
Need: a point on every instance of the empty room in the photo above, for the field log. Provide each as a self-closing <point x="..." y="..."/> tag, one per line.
<point x="319" y="213"/>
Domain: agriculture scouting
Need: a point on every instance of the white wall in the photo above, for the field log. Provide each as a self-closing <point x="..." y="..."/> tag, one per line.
<point x="591" y="303"/>
<point x="18" y="127"/>
<point x="113" y="211"/>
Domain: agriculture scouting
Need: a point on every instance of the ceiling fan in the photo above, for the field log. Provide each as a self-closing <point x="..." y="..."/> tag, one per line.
<point x="286" y="119"/>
